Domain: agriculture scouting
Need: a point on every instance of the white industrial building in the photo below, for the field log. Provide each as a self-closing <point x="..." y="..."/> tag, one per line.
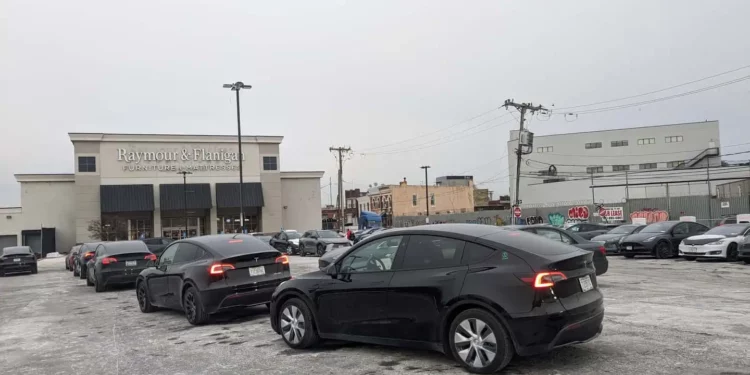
<point x="133" y="186"/>
<point x="642" y="162"/>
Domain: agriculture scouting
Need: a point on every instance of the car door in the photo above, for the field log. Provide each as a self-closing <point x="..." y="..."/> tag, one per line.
<point x="312" y="240"/>
<point x="158" y="284"/>
<point x="185" y="254"/>
<point x="305" y="240"/>
<point x="680" y="232"/>
<point x="428" y="275"/>
<point x="354" y="302"/>
<point x="275" y="240"/>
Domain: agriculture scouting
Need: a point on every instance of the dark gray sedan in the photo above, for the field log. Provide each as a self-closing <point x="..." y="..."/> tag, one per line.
<point x="611" y="239"/>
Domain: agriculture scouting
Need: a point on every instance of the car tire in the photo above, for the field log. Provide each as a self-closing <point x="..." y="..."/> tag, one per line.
<point x="747" y="260"/>
<point x="98" y="285"/>
<point x="690" y="258"/>
<point x="82" y="273"/>
<point x="294" y="335"/>
<point x="35" y="270"/>
<point x="193" y="307"/>
<point x="88" y="282"/>
<point x="629" y="256"/>
<point x="2" y="273"/>
<point x="472" y="335"/>
<point x="75" y="271"/>
<point x="66" y="265"/>
<point x="141" y="293"/>
<point x="320" y="250"/>
<point x="301" y="250"/>
<point x="732" y="252"/>
<point x="662" y="250"/>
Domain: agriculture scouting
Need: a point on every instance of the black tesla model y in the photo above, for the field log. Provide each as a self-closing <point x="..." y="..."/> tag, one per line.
<point x="477" y="293"/>
<point x="117" y="263"/>
<point x="204" y="275"/>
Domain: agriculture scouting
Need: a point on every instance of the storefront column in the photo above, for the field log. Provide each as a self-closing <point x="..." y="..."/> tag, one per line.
<point x="212" y="227"/>
<point x="128" y="230"/>
<point x="198" y="230"/>
<point x="157" y="213"/>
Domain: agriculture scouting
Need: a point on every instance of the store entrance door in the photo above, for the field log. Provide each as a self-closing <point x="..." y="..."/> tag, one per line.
<point x="174" y="228"/>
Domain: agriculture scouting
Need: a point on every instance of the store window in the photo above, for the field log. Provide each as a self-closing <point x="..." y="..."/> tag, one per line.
<point x="620" y="168"/>
<point x="647" y="141"/>
<point x="86" y="164"/>
<point x="619" y="143"/>
<point x="593" y="145"/>
<point x="647" y="166"/>
<point x="270" y="163"/>
<point x="414" y="200"/>
<point x="673" y="139"/>
<point x="594" y="169"/>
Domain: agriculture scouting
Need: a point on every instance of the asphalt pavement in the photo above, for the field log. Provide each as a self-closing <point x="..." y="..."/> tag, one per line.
<point x="662" y="317"/>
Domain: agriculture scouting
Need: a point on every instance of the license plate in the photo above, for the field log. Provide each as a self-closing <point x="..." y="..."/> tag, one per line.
<point x="257" y="271"/>
<point x="131" y="263"/>
<point x="16" y="259"/>
<point x="586" y="284"/>
<point x="628" y="247"/>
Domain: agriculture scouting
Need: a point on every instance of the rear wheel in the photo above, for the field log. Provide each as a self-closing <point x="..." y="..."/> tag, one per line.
<point x="321" y="250"/>
<point x="301" y="249"/>
<point x="88" y="282"/>
<point x="194" y="311"/>
<point x="479" y="342"/>
<point x="297" y="325"/>
<point x="629" y="256"/>
<point x="82" y="273"/>
<point x="142" y="294"/>
<point x="76" y="270"/>
<point x="732" y="252"/>
<point x="690" y="258"/>
<point x="98" y="285"/>
<point x="662" y="250"/>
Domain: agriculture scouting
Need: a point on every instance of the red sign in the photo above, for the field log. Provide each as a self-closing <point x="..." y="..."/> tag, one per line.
<point x="517" y="211"/>
<point x="578" y="213"/>
<point x="611" y="213"/>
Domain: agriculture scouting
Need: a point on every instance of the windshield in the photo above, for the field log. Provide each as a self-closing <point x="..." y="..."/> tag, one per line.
<point x="16" y="251"/>
<point x="623" y="229"/>
<point x="293" y="235"/>
<point x="728" y="230"/>
<point x="327" y="234"/>
<point x="657" y="227"/>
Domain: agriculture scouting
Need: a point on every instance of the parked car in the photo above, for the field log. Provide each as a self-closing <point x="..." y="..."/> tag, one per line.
<point x="286" y="241"/>
<point x="477" y="293"/>
<point x="117" y="263"/>
<point x="85" y="253"/>
<point x="590" y="230"/>
<point x="561" y="235"/>
<point x="158" y="244"/>
<point x="719" y="242"/>
<point x="661" y="239"/>
<point x="366" y="233"/>
<point x="744" y="254"/>
<point x="727" y="220"/>
<point x="611" y="239"/>
<point x="17" y="259"/>
<point x="70" y="257"/>
<point x="204" y="275"/>
<point x="265" y="237"/>
<point x="319" y="241"/>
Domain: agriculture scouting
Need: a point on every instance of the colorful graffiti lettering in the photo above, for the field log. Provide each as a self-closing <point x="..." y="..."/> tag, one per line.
<point x="534" y="220"/>
<point x="579" y="213"/>
<point x="556" y="219"/>
<point x="651" y="215"/>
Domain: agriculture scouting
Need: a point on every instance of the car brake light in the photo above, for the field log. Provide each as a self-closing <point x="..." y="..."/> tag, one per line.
<point x="602" y="250"/>
<point x="88" y="254"/>
<point x="109" y="260"/>
<point x="548" y="279"/>
<point x="219" y="268"/>
<point x="283" y="259"/>
<point x="150" y="257"/>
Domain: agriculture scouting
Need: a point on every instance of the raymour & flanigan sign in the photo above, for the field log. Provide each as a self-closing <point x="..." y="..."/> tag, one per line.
<point x="178" y="160"/>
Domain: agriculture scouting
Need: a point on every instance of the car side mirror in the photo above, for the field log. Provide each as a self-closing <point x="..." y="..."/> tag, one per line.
<point x="332" y="270"/>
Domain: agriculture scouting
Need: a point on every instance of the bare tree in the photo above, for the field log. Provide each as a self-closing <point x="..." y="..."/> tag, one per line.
<point x="99" y="230"/>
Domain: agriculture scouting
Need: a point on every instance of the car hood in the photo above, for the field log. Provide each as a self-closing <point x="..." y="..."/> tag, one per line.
<point x="331" y="256"/>
<point x="641" y="237"/>
<point x="707" y="237"/>
<point x="334" y="240"/>
<point x="609" y="237"/>
<point x="295" y="241"/>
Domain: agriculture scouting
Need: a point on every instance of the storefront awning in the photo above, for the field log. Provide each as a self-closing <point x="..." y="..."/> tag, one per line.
<point x="126" y="198"/>
<point x="172" y="197"/>
<point x="228" y="195"/>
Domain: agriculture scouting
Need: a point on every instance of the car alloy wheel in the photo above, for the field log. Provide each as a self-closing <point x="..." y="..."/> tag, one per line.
<point x="301" y="249"/>
<point x="142" y="295"/>
<point x="194" y="307"/>
<point x="663" y="250"/>
<point x="321" y="250"/>
<point x="292" y="324"/>
<point x="732" y="252"/>
<point x="475" y="343"/>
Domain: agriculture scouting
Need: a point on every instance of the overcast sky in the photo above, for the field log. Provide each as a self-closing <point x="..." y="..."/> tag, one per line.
<point x="356" y="73"/>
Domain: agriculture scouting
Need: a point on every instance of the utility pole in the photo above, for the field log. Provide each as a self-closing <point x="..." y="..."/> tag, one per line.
<point x="708" y="182"/>
<point x="237" y="86"/>
<point x="340" y="151"/>
<point x="523" y="108"/>
<point x="426" y="192"/>
<point x="184" y="196"/>
<point x="330" y="191"/>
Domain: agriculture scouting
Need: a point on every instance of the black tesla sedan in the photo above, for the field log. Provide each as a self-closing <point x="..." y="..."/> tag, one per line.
<point x="661" y="240"/>
<point x="84" y="255"/>
<point x="117" y="263"/>
<point x="17" y="259"/>
<point x="611" y="239"/>
<point x="204" y="275"/>
<point x="477" y="293"/>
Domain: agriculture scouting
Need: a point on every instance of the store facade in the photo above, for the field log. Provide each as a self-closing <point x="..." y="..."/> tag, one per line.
<point x="130" y="186"/>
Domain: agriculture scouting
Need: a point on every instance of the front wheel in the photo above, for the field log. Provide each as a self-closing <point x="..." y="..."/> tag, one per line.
<point x="35" y="270"/>
<point x="143" y="301"/>
<point x="479" y="342"/>
<point x="76" y="271"/>
<point x="82" y="273"/>
<point x="296" y="324"/>
<point x="302" y="250"/>
<point x="662" y="250"/>
<point x="194" y="311"/>
<point x="732" y="253"/>
<point x="321" y="250"/>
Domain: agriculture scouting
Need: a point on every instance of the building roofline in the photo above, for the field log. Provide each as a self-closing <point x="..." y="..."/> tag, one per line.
<point x="621" y="129"/>
<point x="172" y="138"/>
<point x="302" y="174"/>
<point x="49" y="177"/>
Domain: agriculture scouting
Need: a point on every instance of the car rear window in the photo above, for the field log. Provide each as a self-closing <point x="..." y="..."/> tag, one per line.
<point x="129" y="247"/>
<point x="424" y="252"/>
<point x="233" y="247"/>
<point x="530" y="243"/>
<point x="475" y="253"/>
<point x="16" y="251"/>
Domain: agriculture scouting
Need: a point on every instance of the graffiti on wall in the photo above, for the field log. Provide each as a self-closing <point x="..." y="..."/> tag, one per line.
<point x="651" y="215"/>
<point x="578" y="213"/>
<point x="534" y="220"/>
<point x="557" y="219"/>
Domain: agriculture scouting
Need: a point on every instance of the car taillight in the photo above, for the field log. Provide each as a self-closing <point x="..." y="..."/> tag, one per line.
<point x="151" y="257"/>
<point x="219" y="268"/>
<point x="109" y="260"/>
<point x="88" y="254"/>
<point x="602" y="250"/>
<point x="548" y="279"/>
<point x="283" y="259"/>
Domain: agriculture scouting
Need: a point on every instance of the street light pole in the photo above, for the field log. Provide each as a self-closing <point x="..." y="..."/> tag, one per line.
<point x="184" y="197"/>
<point x="237" y="86"/>
<point x="426" y="192"/>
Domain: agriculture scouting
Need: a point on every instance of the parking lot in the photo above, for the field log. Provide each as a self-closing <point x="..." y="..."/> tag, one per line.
<point x="663" y="316"/>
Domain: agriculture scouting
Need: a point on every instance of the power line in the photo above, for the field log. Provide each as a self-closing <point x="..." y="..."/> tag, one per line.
<point x="653" y="92"/>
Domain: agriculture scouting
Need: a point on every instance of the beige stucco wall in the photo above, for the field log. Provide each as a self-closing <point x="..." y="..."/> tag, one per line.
<point x="11" y="222"/>
<point x="447" y="198"/>
<point x="301" y="203"/>
<point x="52" y="205"/>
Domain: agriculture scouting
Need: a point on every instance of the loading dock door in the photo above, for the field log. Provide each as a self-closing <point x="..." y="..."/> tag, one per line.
<point x="8" y="241"/>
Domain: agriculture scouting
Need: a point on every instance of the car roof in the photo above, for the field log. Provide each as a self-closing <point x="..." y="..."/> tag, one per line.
<point x="469" y="230"/>
<point x="17" y="248"/>
<point x="222" y="244"/>
<point x="121" y="247"/>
